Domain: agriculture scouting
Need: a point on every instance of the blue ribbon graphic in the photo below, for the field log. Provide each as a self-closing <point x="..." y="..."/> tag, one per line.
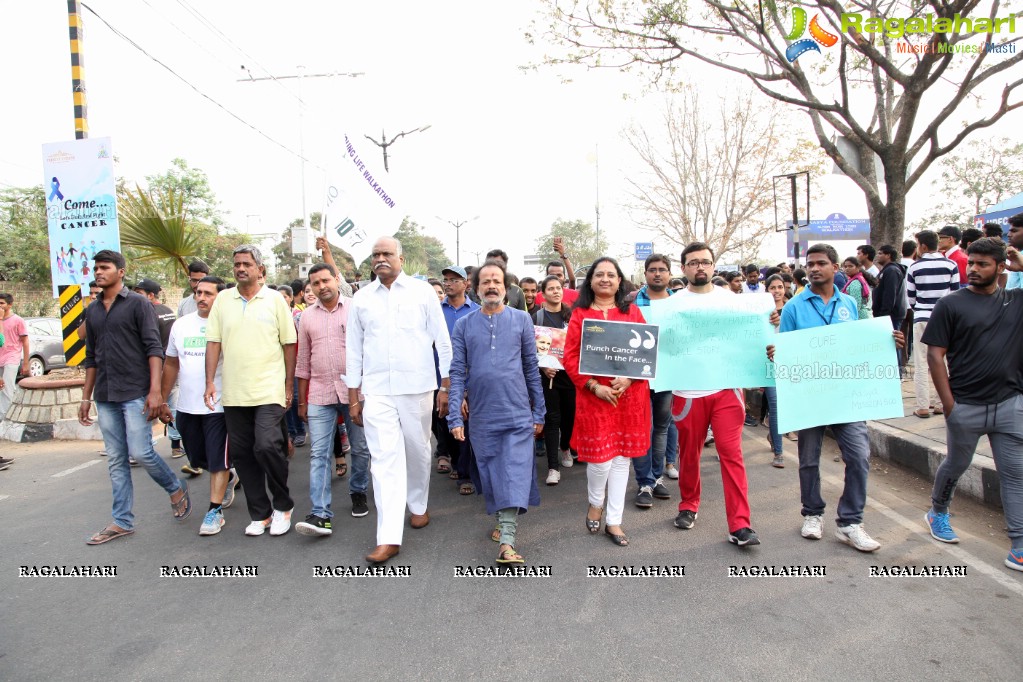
<point x="55" y="190"/>
<point x="800" y="47"/>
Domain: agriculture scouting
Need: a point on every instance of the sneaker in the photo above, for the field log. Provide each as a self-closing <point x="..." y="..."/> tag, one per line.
<point x="671" y="471"/>
<point x="300" y="440"/>
<point x="232" y="484"/>
<point x="813" y="527"/>
<point x="313" y="525"/>
<point x="685" y="519"/>
<point x="177" y="452"/>
<point x="359" y="506"/>
<point x="778" y="462"/>
<point x="854" y="535"/>
<point x="257" y="527"/>
<point x="191" y="470"/>
<point x="941" y="529"/>
<point x="750" y="420"/>
<point x="280" y="522"/>
<point x="743" y="537"/>
<point x="212" y="522"/>
<point x="5" y="462"/>
<point x="1015" y="559"/>
<point x="553" y="477"/>
<point x="660" y="491"/>
<point x="566" y="458"/>
<point x="710" y="437"/>
<point x="645" y="497"/>
<point x="133" y="462"/>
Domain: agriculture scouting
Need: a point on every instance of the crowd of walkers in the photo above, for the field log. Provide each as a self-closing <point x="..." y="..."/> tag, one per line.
<point x="402" y="377"/>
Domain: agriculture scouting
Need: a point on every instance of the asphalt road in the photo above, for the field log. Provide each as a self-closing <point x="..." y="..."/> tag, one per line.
<point x="286" y="623"/>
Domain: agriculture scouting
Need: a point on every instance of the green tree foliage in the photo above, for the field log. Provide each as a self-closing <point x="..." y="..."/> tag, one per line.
<point x="24" y="248"/>
<point x="582" y="243"/>
<point x="288" y="263"/>
<point x="424" y="254"/>
<point x="193" y="186"/>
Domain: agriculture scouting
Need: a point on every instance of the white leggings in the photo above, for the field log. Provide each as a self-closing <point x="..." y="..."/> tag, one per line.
<point x="615" y="475"/>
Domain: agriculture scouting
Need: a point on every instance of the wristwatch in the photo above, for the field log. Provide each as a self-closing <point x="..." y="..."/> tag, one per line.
<point x="564" y="256"/>
<point x="443" y="389"/>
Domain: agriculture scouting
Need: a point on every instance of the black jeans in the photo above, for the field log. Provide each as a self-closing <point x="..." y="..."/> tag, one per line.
<point x="257" y="446"/>
<point x="559" y="420"/>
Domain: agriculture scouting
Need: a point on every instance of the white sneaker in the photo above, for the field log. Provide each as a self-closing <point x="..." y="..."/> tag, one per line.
<point x="854" y="535"/>
<point x="566" y="458"/>
<point x="280" y="522"/>
<point x="710" y="437"/>
<point x="553" y="476"/>
<point x="813" y="527"/>
<point x="671" y="472"/>
<point x="257" y="527"/>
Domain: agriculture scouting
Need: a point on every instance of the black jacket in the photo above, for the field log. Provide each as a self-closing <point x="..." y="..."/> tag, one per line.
<point x="889" y="299"/>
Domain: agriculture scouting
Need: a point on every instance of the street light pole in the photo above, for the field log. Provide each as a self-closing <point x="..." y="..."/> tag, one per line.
<point x="301" y="140"/>
<point x="458" y="235"/>
<point x="384" y="143"/>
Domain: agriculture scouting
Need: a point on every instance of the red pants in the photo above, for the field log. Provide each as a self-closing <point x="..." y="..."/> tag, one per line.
<point x="723" y="411"/>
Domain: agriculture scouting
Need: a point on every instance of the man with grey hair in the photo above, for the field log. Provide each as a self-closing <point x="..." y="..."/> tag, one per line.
<point x="393" y="327"/>
<point x="252" y="327"/>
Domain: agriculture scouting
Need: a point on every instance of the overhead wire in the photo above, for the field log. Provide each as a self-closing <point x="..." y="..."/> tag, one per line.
<point x="184" y="80"/>
<point x="163" y="18"/>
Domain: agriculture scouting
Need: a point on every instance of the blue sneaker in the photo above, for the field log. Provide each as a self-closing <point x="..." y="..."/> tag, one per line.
<point x="940" y="528"/>
<point x="212" y="522"/>
<point x="1015" y="559"/>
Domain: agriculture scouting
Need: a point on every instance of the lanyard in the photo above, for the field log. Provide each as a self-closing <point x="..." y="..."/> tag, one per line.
<point x="834" y="306"/>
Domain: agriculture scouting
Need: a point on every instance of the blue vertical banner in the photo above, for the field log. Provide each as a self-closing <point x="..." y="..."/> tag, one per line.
<point x="81" y="207"/>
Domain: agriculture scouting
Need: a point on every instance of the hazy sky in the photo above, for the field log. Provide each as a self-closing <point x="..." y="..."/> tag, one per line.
<point x="513" y="146"/>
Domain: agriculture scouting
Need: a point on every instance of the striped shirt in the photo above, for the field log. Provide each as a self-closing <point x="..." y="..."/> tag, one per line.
<point x="928" y="279"/>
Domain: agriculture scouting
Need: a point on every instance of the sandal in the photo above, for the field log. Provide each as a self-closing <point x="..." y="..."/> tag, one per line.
<point x="617" y="538"/>
<point x="510" y="556"/>
<point x="453" y="475"/>
<point x="107" y="534"/>
<point x="466" y="489"/>
<point x="340" y="467"/>
<point x="495" y="535"/>
<point x="443" y="465"/>
<point x="183" y="507"/>
<point x="594" y="525"/>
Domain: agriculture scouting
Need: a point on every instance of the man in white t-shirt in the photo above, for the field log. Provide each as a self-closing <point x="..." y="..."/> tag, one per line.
<point x="204" y="432"/>
<point x="724" y="410"/>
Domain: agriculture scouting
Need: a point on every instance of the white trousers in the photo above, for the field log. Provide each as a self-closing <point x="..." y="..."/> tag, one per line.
<point x="614" y="474"/>
<point x="921" y="374"/>
<point x="10" y="374"/>
<point x="398" y="435"/>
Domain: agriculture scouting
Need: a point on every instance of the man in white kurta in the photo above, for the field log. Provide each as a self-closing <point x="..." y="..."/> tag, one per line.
<point x="393" y="327"/>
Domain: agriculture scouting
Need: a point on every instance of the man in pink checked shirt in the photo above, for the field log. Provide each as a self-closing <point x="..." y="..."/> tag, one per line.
<point x="323" y="395"/>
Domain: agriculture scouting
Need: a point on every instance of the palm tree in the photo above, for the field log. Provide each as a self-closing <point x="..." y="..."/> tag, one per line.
<point x="157" y="226"/>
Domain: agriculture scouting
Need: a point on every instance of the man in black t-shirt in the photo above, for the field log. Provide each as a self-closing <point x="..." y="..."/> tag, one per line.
<point x="978" y="330"/>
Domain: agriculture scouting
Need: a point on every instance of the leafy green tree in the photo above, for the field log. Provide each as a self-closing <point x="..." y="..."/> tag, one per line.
<point x="193" y="186"/>
<point x="24" y="246"/>
<point x="582" y="243"/>
<point x="288" y="263"/>
<point x="424" y="254"/>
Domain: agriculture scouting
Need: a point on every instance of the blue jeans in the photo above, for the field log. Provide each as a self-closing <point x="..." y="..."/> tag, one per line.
<point x="322" y="425"/>
<point x="127" y="433"/>
<point x="296" y="427"/>
<point x="771" y="394"/>
<point x="853" y="442"/>
<point x="650" y="466"/>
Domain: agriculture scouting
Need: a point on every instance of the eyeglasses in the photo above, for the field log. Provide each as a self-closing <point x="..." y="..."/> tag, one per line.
<point x="700" y="264"/>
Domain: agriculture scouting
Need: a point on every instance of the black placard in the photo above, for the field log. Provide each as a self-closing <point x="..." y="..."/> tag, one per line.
<point x="618" y="349"/>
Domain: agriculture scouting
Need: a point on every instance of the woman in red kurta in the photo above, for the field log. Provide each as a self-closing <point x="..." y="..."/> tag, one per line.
<point x="612" y="414"/>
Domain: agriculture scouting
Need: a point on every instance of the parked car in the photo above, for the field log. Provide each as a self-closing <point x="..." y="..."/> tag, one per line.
<point x="46" y="345"/>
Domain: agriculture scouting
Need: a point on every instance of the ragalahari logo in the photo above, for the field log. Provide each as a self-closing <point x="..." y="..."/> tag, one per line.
<point x="803" y="45"/>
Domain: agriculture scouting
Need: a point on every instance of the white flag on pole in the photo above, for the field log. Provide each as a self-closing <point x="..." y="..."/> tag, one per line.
<point x="359" y="205"/>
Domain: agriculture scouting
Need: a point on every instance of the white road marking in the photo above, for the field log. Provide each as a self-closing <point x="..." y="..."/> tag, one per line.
<point x="962" y="556"/>
<point x="77" y="468"/>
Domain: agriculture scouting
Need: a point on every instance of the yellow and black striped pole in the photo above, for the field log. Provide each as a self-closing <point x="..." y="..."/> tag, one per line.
<point x="74" y="20"/>
<point x="71" y="312"/>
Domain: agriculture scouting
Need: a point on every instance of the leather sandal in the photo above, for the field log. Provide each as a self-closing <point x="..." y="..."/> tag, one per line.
<point x="617" y="538"/>
<point x="594" y="525"/>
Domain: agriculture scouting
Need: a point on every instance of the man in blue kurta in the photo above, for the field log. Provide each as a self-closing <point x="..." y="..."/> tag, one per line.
<point x="494" y="367"/>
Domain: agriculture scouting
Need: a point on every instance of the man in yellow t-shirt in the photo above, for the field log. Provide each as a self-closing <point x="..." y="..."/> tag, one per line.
<point x="253" y="329"/>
